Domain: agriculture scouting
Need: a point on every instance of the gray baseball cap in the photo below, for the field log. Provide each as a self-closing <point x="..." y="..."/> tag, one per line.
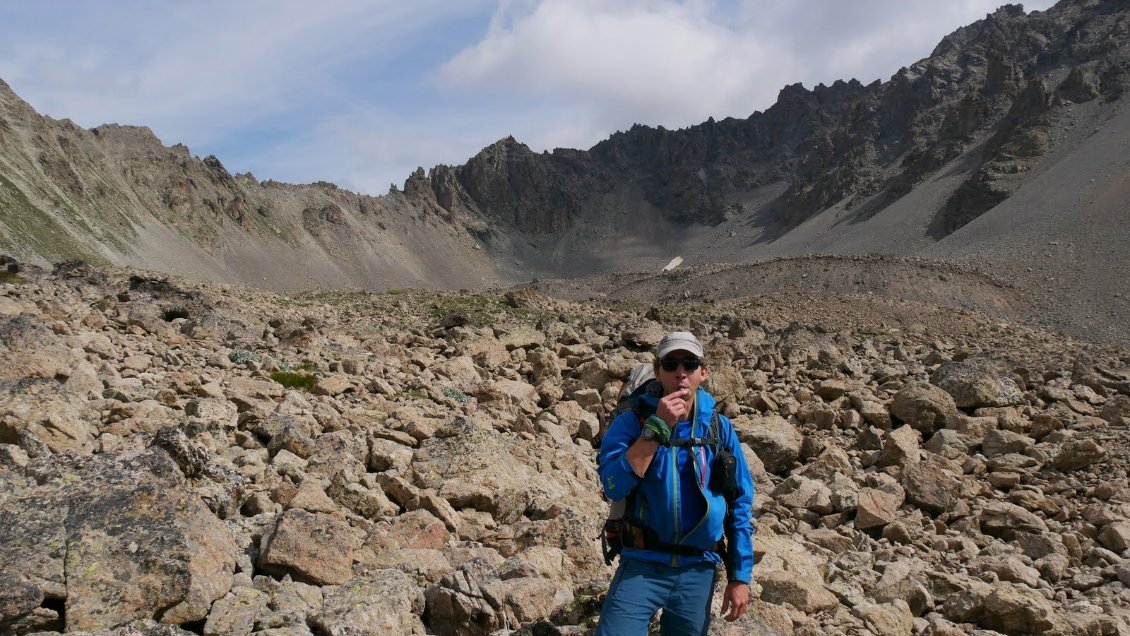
<point x="679" y="340"/>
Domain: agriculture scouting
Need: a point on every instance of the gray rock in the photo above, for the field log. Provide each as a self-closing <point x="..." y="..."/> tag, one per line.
<point x="807" y="494"/>
<point x="383" y="602"/>
<point x="1116" y="536"/>
<point x="976" y="383"/>
<point x="1004" y="607"/>
<point x="887" y="619"/>
<point x="531" y="599"/>
<point x="466" y="602"/>
<point x="18" y="597"/>
<point x="237" y="612"/>
<point x="121" y="538"/>
<point x="1079" y="453"/>
<point x="903" y="582"/>
<point x="1117" y="410"/>
<point x="949" y="443"/>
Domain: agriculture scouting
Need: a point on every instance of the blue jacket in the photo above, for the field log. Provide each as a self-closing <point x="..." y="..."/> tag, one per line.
<point x="673" y="498"/>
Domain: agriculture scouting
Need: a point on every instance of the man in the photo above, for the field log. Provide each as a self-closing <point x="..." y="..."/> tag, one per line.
<point x="659" y="456"/>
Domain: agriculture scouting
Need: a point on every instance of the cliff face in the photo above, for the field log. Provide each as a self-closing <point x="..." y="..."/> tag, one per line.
<point x="1002" y="76"/>
<point x="979" y="117"/>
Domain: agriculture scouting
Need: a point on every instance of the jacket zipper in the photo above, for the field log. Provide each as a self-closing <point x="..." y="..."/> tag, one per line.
<point x="697" y="470"/>
<point x="675" y="498"/>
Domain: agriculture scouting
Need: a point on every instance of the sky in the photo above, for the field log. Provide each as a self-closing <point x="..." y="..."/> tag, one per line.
<point x="362" y="92"/>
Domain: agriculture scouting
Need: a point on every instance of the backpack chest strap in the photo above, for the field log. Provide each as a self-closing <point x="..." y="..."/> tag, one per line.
<point x="695" y="441"/>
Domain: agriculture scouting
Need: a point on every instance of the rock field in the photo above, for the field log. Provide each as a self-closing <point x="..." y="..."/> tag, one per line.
<point x="192" y="458"/>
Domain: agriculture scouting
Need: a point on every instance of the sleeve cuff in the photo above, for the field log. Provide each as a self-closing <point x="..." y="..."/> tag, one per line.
<point x="627" y="466"/>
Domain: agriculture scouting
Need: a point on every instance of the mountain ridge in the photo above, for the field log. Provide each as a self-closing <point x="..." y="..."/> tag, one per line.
<point x="895" y="167"/>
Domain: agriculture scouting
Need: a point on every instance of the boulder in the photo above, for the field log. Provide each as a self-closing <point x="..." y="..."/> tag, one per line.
<point x="949" y="443"/>
<point x="886" y="619"/>
<point x="1000" y="442"/>
<point x="18" y="597"/>
<point x="1116" y="536"/>
<point x="120" y="537"/>
<point x="772" y="438"/>
<point x="900" y="447"/>
<point x="520" y="337"/>
<point x="904" y="581"/>
<point x="807" y="595"/>
<point x="872" y="410"/>
<point x="976" y="383"/>
<point x="804" y="493"/>
<point x="876" y="508"/>
<point x="924" y="407"/>
<point x="416" y="530"/>
<point x="531" y="599"/>
<point x="1007" y="567"/>
<point x="1117" y="410"/>
<point x="545" y="365"/>
<point x="58" y="419"/>
<point x="1004" y="607"/>
<point x="931" y="487"/>
<point x="422" y="564"/>
<point x="467" y="602"/>
<point x="1079" y="453"/>
<point x="310" y="547"/>
<point x="1006" y="520"/>
<point x="382" y="602"/>
<point x="237" y="612"/>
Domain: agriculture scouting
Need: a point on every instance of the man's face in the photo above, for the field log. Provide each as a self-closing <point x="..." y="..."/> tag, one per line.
<point x="679" y="377"/>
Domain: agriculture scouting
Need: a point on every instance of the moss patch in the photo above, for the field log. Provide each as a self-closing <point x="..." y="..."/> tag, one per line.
<point x="8" y="278"/>
<point x="293" y="380"/>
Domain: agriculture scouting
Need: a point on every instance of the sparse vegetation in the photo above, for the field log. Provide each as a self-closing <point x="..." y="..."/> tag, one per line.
<point x="481" y="309"/>
<point x="172" y="313"/>
<point x="292" y="380"/>
<point x="456" y="395"/>
<point x="243" y="356"/>
<point x="8" y="278"/>
<point x="25" y="223"/>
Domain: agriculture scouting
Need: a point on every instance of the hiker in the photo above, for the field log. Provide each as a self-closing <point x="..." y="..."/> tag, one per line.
<point x="674" y="460"/>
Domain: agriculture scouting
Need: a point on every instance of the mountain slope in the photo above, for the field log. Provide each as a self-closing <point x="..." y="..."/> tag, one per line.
<point x="115" y="194"/>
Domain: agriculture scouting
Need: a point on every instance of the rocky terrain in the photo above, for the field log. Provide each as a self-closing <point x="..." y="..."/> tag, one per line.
<point x="206" y="427"/>
<point x="179" y="457"/>
<point x="1003" y="150"/>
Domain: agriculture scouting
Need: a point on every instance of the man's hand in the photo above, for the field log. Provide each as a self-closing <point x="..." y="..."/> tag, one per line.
<point x="735" y="600"/>
<point x="673" y="407"/>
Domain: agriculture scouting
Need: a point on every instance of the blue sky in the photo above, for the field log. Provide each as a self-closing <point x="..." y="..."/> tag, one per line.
<point x="360" y="93"/>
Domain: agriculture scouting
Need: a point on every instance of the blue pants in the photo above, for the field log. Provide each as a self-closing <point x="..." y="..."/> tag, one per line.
<point x="640" y="588"/>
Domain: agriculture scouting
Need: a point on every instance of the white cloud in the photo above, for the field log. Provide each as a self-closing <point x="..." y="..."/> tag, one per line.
<point x="656" y="63"/>
<point x="677" y="63"/>
<point x="196" y="71"/>
<point x="341" y="90"/>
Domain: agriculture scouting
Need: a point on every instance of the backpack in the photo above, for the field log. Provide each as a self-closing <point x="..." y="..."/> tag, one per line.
<point x="723" y="478"/>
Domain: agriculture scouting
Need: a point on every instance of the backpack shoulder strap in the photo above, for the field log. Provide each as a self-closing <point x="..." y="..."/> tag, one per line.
<point x="714" y="437"/>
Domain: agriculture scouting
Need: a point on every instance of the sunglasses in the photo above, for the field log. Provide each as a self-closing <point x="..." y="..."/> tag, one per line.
<point x="689" y="364"/>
